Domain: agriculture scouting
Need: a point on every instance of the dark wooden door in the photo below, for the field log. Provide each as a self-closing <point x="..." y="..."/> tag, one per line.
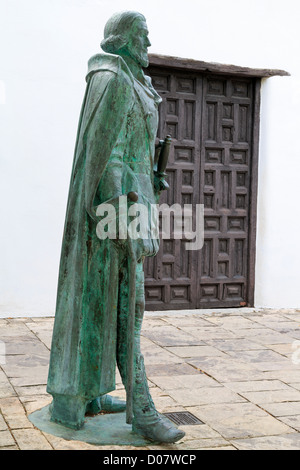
<point x="210" y="119"/>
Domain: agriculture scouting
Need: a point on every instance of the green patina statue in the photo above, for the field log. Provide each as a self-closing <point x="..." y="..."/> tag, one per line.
<point x="100" y="298"/>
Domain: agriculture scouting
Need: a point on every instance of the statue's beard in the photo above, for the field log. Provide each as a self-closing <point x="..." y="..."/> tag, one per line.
<point x="141" y="58"/>
<point x="144" y="60"/>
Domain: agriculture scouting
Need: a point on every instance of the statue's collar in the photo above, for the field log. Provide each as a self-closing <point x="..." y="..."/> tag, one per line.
<point x="148" y="81"/>
<point x="143" y="80"/>
<point x="114" y="63"/>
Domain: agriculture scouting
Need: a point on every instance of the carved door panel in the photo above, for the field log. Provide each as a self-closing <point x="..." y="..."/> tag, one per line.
<point x="210" y="119"/>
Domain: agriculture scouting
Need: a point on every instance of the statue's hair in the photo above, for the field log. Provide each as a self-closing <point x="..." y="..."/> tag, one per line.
<point x="116" y="30"/>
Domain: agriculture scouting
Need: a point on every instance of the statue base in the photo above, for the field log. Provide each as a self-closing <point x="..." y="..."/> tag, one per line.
<point x="101" y="429"/>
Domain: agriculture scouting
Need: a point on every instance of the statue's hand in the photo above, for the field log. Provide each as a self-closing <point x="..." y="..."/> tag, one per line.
<point x="135" y="249"/>
<point x="140" y="248"/>
<point x="158" y="143"/>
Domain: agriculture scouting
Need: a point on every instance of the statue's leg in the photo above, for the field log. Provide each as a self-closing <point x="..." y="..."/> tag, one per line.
<point x="68" y="410"/>
<point x="146" y="419"/>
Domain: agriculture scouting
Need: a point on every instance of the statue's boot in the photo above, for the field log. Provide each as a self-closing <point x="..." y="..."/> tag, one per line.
<point x="112" y="404"/>
<point x="106" y="403"/>
<point x="147" y="421"/>
<point x="157" y="428"/>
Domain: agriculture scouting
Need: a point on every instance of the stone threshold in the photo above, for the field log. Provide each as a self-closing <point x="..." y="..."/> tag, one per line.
<point x="171" y="313"/>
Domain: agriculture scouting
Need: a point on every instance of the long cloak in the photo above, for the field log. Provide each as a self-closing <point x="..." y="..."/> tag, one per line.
<point x="83" y="351"/>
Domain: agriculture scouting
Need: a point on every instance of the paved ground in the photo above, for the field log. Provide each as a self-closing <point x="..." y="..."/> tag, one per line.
<point x="238" y="372"/>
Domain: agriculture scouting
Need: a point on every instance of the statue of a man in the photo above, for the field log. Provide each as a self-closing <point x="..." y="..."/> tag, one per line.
<point x="101" y="282"/>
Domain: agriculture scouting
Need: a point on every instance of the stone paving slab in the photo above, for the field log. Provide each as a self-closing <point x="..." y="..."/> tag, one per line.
<point x="238" y="371"/>
<point x="288" y="442"/>
<point x="240" y="420"/>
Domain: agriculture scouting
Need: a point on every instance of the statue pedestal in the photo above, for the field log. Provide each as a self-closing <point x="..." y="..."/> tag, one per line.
<point x="102" y="429"/>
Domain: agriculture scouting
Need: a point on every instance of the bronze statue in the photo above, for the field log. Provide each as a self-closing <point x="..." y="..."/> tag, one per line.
<point x="100" y="298"/>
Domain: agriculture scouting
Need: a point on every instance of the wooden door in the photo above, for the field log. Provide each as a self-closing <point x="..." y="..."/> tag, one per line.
<point x="211" y="121"/>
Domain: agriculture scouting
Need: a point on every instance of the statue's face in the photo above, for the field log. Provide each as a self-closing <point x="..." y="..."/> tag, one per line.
<point x="138" y="43"/>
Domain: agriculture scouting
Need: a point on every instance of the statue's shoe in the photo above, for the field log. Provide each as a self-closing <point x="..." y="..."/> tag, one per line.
<point x="160" y="429"/>
<point x="112" y="404"/>
<point x="106" y="403"/>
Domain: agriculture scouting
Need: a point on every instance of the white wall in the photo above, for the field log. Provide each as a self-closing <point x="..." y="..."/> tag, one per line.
<point x="45" y="45"/>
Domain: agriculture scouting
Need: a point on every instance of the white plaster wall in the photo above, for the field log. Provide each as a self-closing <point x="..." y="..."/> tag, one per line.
<point x="44" y="48"/>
